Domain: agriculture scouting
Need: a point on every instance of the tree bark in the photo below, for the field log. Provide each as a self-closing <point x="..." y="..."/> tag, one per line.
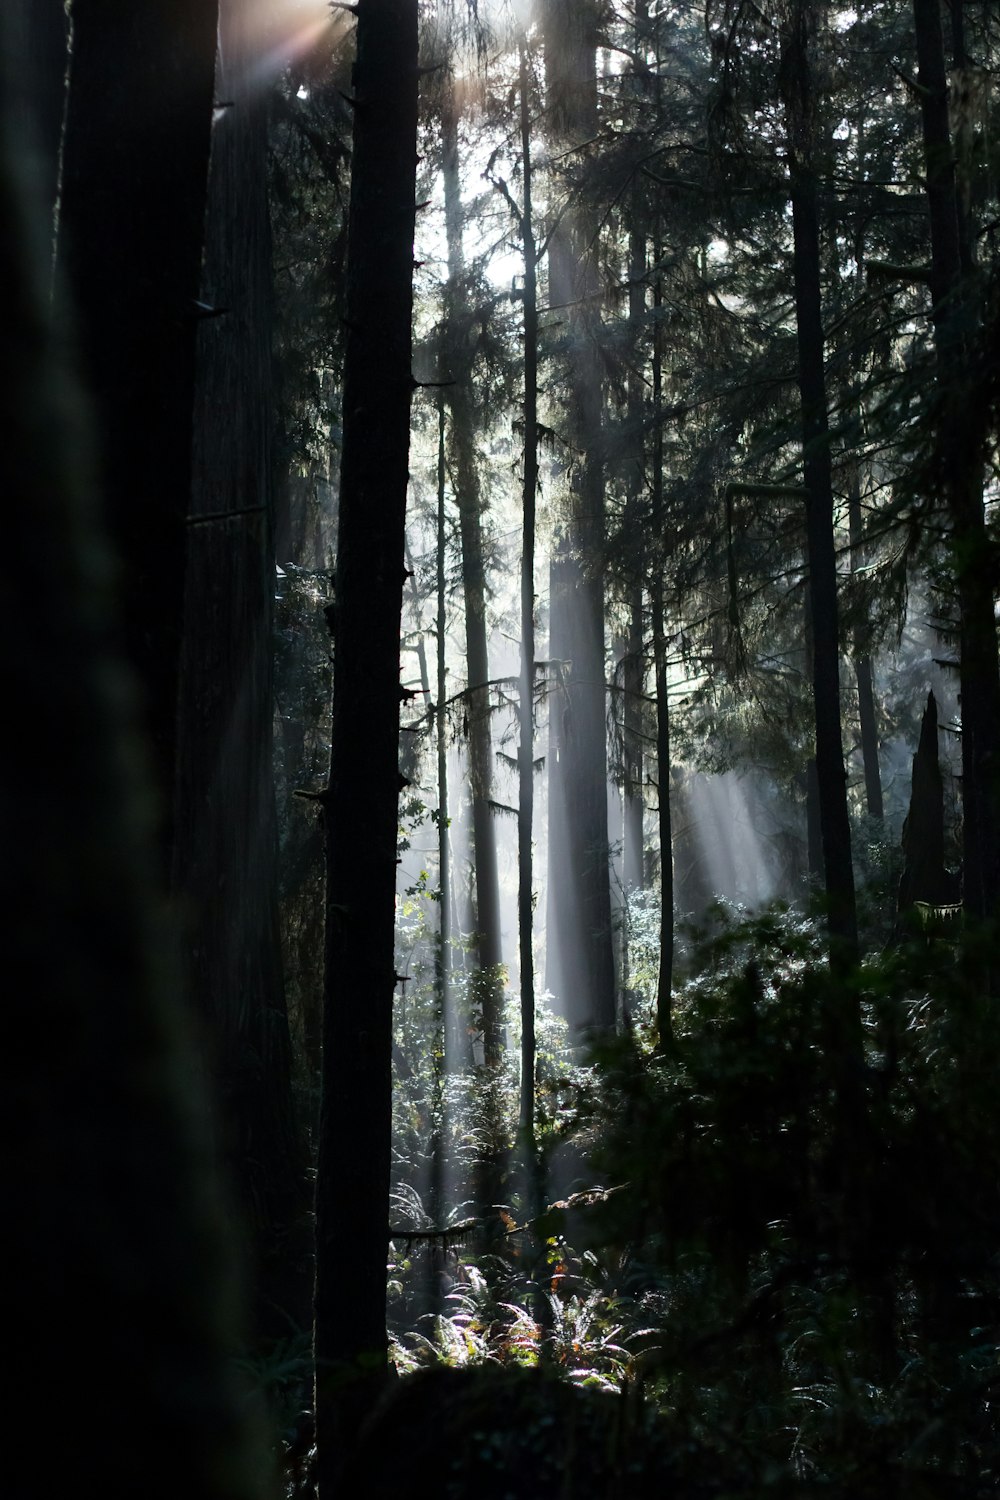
<point x="664" y="978"/>
<point x="225" y="828"/>
<point x="665" y="972"/>
<point x="117" y="1240"/>
<point x="817" y="467"/>
<point x="863" y="673"/>
<point x="581" y="962"/>
<point x="489" y="982"/>
<point x="960" y="445"/>
<point x="440" y="1049"/>
<point x="362" y="797"/>
<point x="132" y="224"/>
<point x="633" y="665"/>
<point x="526" y="705"/>
<point x="441" y="736"/>
<point x="37" y="34"/>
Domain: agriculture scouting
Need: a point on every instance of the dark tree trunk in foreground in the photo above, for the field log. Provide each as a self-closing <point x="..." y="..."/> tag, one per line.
<point x="362" y="798"/>
<point x="580" y="953"/>
<point x="37" y="34"/>
<point x="117" y="1260"/>
<point x="225" y="854"/>
<point x="489" y="981"/>
<point x="131" y="236"/>
<point x="959" y="452"/>
<point x="817" y="467"/>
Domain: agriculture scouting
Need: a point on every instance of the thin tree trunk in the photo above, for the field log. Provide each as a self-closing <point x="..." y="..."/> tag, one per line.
<point x="842" y="1019"/>
<point x="664" y="978"/>
<point x="665" y="972"/>
<point x="132" y="225"/>
<point x="960" y="443"/>
<point x="421" y="646"/>
<point x="831" y="774"/>
<point x="489" y="983"/>
<point x="863" y="667"/>
<point x="830" y="770"/>
<point x="442" y="970"/>
<point x="633" y="690"/>
<point x="362" y="797"/>
<point x="633" y="666"/>
<point x="863" y="673"/>
<point x="526" y="709"/>
<point x="444" y="869"/>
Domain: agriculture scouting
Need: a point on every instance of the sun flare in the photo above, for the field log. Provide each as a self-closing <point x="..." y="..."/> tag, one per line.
<point x="281" y="32"/>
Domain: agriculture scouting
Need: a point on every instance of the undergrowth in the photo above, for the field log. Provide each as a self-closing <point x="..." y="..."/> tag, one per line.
<point x="814" y="1297"/>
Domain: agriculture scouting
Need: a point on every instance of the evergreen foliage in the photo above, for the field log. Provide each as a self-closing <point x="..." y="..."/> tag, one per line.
<point x="615" y="389"/>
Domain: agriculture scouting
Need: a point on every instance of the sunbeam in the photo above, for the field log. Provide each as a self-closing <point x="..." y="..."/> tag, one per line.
<point x="277" y="33"/>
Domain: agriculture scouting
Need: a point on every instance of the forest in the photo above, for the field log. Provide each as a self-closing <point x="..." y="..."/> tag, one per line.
<point x="501" y="793"/>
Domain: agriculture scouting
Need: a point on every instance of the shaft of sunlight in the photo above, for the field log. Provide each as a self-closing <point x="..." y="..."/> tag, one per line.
<point x="277" y="33"/>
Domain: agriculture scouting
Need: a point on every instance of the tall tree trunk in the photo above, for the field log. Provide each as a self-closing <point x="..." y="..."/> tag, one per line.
<point x="633" y="691"/>
<point x="581" y="960"/>
<point x="863" y="666"/>
<point x="489" y="981"/>
<point x="960" y="447"/>
<point x="441" y="727"/>
<point x="830" y="771"/>
<point x="633" y="665"/>
<point x="362" y="797"/>
<point x="664" y="978"/>
<point x="843" y="1038"/>
<point x="814" y="826"/>
<point x="526" y="705"/>
<point x="132" y="224"/>
<point x="818" y="474"/>
<point x="863" y="673"/>
<point x="118" y="1240"/>
<point x="440" y="1043"/>
<point x="665" y="972"/>
<point x="226" y="838"/>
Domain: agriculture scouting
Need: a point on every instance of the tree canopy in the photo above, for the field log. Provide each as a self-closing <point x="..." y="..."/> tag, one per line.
<point x="532" y="470"/>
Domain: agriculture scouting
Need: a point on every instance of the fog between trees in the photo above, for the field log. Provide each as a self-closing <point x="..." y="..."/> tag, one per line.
<point x="517" y="487"/>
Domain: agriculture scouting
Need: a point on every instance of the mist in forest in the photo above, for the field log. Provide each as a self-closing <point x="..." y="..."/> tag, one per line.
<point x="548" y="454"/>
